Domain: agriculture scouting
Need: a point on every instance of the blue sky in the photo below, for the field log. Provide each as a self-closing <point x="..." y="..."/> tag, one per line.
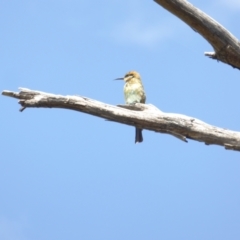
<point x="68" y="175"/>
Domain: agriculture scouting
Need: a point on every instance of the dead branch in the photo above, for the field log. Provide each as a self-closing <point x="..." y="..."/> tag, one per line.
<point x="145" y="116"/>
<point x="226" y="46"/>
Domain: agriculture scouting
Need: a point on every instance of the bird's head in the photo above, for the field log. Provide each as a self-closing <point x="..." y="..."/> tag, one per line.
<point x="129" y="76"/>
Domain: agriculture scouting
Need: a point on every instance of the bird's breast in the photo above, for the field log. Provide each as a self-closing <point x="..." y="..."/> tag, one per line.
<point x="134" y="93"/>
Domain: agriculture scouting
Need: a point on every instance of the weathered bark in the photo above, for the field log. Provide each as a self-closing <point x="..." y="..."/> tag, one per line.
<point x="144" y="116"/>
<point x="226" y="46"/>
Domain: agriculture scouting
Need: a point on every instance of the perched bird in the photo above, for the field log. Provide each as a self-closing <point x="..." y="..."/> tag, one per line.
<point x="134" y="93"/>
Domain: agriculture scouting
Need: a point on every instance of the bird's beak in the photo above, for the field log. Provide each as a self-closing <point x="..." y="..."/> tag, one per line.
<point x="119" y="78"/>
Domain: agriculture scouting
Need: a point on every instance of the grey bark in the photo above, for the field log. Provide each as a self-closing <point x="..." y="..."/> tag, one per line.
<point x="145" y="116"/>
<point x="225" y="44"/>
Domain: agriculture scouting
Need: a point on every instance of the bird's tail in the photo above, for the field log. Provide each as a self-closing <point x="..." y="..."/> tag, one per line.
<point x="138" y="135"/>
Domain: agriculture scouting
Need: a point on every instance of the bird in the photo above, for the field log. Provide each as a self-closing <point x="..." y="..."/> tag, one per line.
<point x="134" y="93"/>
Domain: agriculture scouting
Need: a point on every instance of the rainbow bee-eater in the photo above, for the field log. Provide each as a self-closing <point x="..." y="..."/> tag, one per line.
<point x="134" y="93"/>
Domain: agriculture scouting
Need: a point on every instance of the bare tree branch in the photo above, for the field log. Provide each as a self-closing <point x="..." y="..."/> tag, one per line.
<point x="145" y="116"/>
<point x="226" y="46"/>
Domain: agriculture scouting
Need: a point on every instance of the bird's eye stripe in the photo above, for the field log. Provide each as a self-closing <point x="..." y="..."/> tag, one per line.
<point x="128" y="75"/>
